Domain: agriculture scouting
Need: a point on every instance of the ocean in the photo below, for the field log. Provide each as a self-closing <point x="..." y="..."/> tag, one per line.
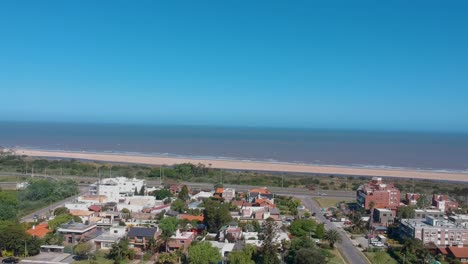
<point x="427" y="151"/>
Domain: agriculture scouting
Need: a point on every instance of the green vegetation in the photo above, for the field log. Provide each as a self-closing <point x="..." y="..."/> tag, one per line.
<point x="244" y="256"/>
<point x="203" y="253"/>
<point x="287" y="205"/>
<point x="328" y="202"/>
<point x="380" y="257"/>
<point x="15" y="241"/>
<point x="216" y="214"/>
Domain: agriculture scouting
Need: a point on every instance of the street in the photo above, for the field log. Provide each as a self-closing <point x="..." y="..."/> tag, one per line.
<point x="346" y="247"/>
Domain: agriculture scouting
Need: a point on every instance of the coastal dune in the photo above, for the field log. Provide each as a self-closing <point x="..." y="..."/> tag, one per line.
<point x="249" y="165"/>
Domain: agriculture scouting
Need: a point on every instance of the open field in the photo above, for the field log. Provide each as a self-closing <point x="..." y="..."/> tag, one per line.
<point x="249" y="165"/>
<point x="326" y="202"/>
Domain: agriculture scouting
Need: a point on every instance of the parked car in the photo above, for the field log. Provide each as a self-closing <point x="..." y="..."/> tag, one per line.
<point x="10" y="260"/>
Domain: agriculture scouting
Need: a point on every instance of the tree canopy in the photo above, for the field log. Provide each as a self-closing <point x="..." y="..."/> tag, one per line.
<point x="203" y="253"/>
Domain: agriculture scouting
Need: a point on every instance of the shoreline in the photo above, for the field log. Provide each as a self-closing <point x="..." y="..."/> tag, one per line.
<point x="248" y="165"/>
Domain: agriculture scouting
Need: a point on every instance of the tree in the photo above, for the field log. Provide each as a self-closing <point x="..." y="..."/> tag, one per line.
<point x="167" y="258"/>
<point x="83" y="249"/>
<point x="142" y="190"/>
<point x="162" y="194"/>
<point x="179" y="205"/>
<point x="422" y="202"/>
<point x="269" y="247"/>
<point x="120" y="251"/>
<point x="184" y="193"/>
<point x="168" y="226"/>
<point x="216" y="215"/>
<point x="243" y="256"/>
<point x="59" y="220"/>
<point x="61" y="210"/>
<point x="302" y="227"/>
<point x="405" y="212"/>
<point x="320" y="231"/>
<point x="332" y="236"/>
<point x="203" y="253"/>
<point x="309" y="256"/>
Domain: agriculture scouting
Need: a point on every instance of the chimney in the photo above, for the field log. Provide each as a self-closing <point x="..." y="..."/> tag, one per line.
<point x="34" y="227"/>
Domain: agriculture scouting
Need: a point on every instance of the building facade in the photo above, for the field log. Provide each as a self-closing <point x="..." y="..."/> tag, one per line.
<point x="379" y="194"/>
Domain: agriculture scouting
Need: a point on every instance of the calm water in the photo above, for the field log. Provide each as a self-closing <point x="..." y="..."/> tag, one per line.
<point x="332" y="147"/>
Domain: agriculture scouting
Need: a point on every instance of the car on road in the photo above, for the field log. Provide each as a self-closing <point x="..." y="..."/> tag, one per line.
<point x="10" y="260"/>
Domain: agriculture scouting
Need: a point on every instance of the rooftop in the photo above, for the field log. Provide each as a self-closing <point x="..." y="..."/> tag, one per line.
<point x="142" y="232"/>
<point x="39" y="231"/>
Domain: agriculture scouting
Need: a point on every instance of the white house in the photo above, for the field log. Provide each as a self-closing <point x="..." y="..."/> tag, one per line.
<point x="115" y="188"/>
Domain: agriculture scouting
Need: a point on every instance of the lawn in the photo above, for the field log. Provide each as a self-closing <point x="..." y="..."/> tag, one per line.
<point x="338" y="259"/>
<point x="386" y="259"/>
<point x="325" y="202"/>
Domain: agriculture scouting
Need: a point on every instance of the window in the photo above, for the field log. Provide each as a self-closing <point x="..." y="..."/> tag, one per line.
<point x="115" y="231"/>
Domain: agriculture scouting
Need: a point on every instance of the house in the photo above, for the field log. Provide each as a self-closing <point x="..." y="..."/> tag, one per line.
<point x="378" y="194"/>
<point x="260" y="193"/>
<point x="384" y="216"/>
<point x="140" y="236"/>
<point x="137" y="203"/>
<point x="229" y="194"/>
<point x="442" y="202"/>
<point x="231" y="233"/>
<point x="76" y="232"/>
<point x="176" y="188"/>
<point x="197" y="218"/>
<point x="114" y="188"/>
<point x="181" y="240"/>
<point x="85" y="215"/>
<point x="456" y="252"/>
<point x="201" y="195"/>
<point x="39" y="231"/>
<point x="105" y="240"/>
<point x="412" y="198"/>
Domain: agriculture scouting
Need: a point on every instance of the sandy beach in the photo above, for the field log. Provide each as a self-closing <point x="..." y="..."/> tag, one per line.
<point x="249" y="165"/>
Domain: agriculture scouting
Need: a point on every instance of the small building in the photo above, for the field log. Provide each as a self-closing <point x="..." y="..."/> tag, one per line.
<point x="455" y="252"/>
<point x="412" y="198"/>
<point x="181" y="240"/>
<point x="459" y="218"/>
<point x="230" y="233"/>
<point x="39" y="230"/>
<point x="140" y="236"/>
<point x="384" y="216"/>
<point x="260" y="193"/>
<point x="76" y="232"/>
<point x="442" y="202"/>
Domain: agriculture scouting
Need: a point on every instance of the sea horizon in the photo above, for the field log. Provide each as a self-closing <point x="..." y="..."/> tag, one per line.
<point x="425" y="151"/>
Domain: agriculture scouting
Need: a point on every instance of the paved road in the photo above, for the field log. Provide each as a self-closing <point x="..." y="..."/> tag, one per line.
<point x="346" y="247"/>
<point x="44" y="211"/>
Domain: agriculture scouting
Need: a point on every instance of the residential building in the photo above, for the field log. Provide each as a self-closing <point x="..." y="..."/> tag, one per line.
<point x="412" y="198"/>
<point x="115" y="188"/>
<point x="459" y="253"/>
<point x="379" y="194"/>
<point x="140" y="236"/>
<point x="229" y="194"/>
<point x="181" y="240"/>
<point x="76" y="232"/>
<point x="39" y="230"/>
<point x="230" y="233"/>
<point x="260" y="193"/>
<point x="105" y="240"/>
<point x="459" y="218"/>
<point x="440" y="232"/>
<point x="384" y="216"/>
<point x="442" y="202"/>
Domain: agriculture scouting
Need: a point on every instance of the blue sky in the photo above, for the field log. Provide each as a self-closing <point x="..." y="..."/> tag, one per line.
<point x="370" y="65"/>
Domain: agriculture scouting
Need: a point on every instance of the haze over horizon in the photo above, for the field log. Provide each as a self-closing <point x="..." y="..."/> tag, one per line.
<point x="371" y="65"/>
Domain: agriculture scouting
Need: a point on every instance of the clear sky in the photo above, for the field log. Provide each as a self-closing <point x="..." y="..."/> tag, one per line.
<point x="346" y="64"/>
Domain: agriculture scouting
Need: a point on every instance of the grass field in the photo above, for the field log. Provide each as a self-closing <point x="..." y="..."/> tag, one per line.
<point x="328" y="202"/>
<point x="383" y="259"/>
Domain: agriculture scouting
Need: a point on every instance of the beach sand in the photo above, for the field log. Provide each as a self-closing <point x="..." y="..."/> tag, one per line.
<point x="249" y="165"/>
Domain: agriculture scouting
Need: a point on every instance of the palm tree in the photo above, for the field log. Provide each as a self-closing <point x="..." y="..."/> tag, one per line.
<point x="332" y="236"/>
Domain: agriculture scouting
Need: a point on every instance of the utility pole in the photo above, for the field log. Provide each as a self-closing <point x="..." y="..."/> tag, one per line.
<point x="282" y="180"/>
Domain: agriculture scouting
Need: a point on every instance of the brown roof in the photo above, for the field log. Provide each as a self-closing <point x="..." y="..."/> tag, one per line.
<point x="458" y="252"/>
<point x="39" y="231"/>
<point x="191" y="217"/>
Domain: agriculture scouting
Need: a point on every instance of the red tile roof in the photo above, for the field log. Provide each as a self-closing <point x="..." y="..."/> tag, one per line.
<point x="458" y="252"/>
<point x="95" y="208"/>
<point x="39" y="231"/>
<point x="198" y="218"/>
<point x="260" y="190"/>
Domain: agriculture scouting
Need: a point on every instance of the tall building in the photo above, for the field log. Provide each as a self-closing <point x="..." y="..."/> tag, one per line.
<point x="115" y="188"/>
<point x="381" y="194"/>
